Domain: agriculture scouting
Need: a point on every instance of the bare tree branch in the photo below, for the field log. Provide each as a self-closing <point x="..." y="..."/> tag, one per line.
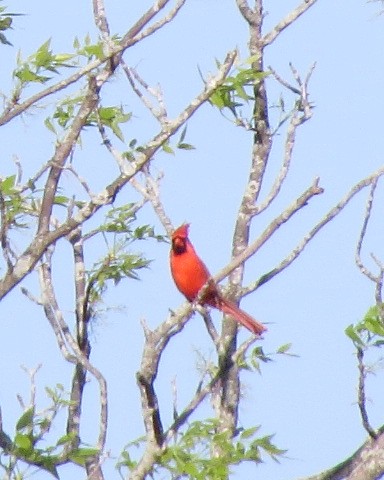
<point x="66" y="342"/>
<point x="160" y="113"/>
<point x="301" y="113"/>
<point x="363" y="232"/>
<point x="361" y="394"/>
<point x="328" y="217"/>
<point x="253" y="247"/>
<point x="136" y="33"/>
<point x="292" y="16"/>
<point x="101" y="18"/>
<point x="62" y="153"/>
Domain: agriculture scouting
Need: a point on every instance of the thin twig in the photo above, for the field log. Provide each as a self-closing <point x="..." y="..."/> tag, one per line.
<point x="301" y="113"/>
<point x="4" y="229"/>
<point x="313" y="232"/>
<point x="65" y="340"/>
<point x="253" y="247"/>
<point x="32" y="372"/>
<point x="153" y="192"/>
<point x="379" y="285"/>
<point x="160" y="113"/>
<point x="368" y="210"/>
<point x="361" y="394"/>
<point x="292" y="16"/>
<point x="137" y="34"/>
<point x="211" y="329"/>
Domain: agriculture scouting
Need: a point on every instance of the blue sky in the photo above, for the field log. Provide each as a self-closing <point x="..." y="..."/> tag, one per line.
<point x="309" y="402"/>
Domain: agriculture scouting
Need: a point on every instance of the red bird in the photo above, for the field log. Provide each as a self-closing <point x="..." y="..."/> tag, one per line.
<point x="190" y="274"/>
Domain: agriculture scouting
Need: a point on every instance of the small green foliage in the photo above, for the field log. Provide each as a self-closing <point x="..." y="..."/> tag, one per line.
<point x="370" y="331"/>
<point x="126" y="461"/>
<point x="23" y="442"/>
<point x="284" y="348"/>
<point x="61" y="200"/>
<point x="35" y="68"/>
<point x="181" y="144"/>
<point x="118" y="263"/>
<point x="26" y="420"/>
<point x="88" y="49"/>
<point x="120" y="220"/>
<point x="80" y="456"/>
<point x="112" y="117"/>
<point x="30" y="444"/>
<point x="6" y="21"/>
<point x="14" y="204"/>
<point x="237" y="89"/>
<point x="63" y="114"/>
<point x="167" y="148"/>
<point x="257" y="355"/>
<point x="204" y="452"/>
<point x="7" y="185"/>
<point x="115" y="266"/>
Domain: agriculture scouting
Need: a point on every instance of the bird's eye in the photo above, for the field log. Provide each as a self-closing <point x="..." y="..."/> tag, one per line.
<point x="178" y="245"/>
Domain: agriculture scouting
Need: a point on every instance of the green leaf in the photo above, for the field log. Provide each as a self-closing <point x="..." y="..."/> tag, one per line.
<point x="4" y="40"/>
<point x="61" y="200"/>
<point x="26" y="419"/>
<point x="284" y="348"/>
<point x="62" y="58"/>
<point x="5" y="23"/>
<point x="112" y="117"/>
<point x="43" y="57"/>
<point x="7" y="185"/>
<point x="66" y="439"/>
<point x="185" y="146"/>
<point x="375" y="326"/>
<point x="249" y="432"/>
<point x="167" y="149"/>
<point x="92" y="51"/>
<point x="81" y="455"/>
<point x="374" y="313"/>
<point x="26" y="75"/>
<point x="23" y="442"/>
<point x="182" y="135"/>
<point x="351" y="332"/>
<point x="48" y="123"/>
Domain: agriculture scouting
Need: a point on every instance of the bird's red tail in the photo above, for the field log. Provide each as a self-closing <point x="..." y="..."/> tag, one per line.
<point x="249" y="322"/>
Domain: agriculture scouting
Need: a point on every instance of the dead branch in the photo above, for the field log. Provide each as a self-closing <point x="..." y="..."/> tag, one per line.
<point x="301" y="113"/>
<point x="361" y="398"/>
<point x="364" y="270"/>
<point x="136" y="33"/>
<point x="68" y="345"/>
<point x="292" y="16"/>
<point x="253" y="247"/>
<point x="63" y="150"/>
<point x="160" y="113"/>
<point x="100" y="18"/>
<point x="313" y="232"/>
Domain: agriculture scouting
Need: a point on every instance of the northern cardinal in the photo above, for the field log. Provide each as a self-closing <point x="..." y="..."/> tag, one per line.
<point x="190" y="274"/>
